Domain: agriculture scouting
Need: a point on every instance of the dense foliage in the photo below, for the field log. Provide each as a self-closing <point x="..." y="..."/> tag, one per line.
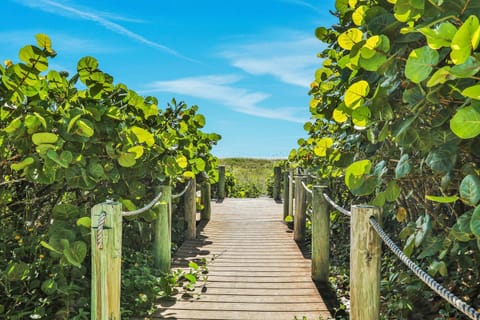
<point x="396" y="122"/>
<point x="67" y="143"/>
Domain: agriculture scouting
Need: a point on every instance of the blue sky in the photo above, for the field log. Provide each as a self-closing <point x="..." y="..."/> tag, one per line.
<point x="246" y="63"/>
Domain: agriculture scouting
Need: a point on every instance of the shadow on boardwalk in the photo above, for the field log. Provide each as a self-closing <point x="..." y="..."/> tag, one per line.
<point x="256" y="270"/>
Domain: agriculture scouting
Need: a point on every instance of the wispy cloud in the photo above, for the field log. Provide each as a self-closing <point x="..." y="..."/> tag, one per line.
<point x="304" y="4"/>
<point x="222" y="90"/>
<point x="292" y="60"/>
<point x="105" y="20"/>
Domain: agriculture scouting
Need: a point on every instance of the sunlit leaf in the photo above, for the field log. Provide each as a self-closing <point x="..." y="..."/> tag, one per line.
<point x="448" y="199"/>
<point x="465" y="40"/>
<point x="349" y="38"/>
<point x="44" y="138"/>
<point x="466" y="122"/>
<point x="321" y="146"/>
<point x="356" y="93"/>
<point x="420" y="63"/>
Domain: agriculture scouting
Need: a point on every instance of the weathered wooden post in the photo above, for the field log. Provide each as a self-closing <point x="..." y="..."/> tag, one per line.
<point x="106" y="239"/>
<point x="190" y="203"/>
<point x="320" y="235"/>
<point x="206" y="198"/>
<point x="365" y="259"/>
<point x="163" y="235"/>
<point x="300" y="217"/>
<point x="277" y="175"/>
<point x="221" y="182"/>
<point x="286" y="196"/>
<point x="291" y="193"/>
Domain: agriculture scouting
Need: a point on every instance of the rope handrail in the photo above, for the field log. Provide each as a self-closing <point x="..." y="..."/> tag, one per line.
<point x="422" y="275"/>
<point x="178" y="195"/>
<point x="336" y="206"/>
<point x="145" y="208"/>
<point x="306" y="188"/>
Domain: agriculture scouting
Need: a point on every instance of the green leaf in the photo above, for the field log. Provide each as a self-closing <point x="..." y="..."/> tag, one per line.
<point x="392" y="192"/>
<point x="76" y="253"/>
<point x="359" y="14"/>
<point x="431" y="247"/>
<point x="63" y="160"/>
<point x="466" y="122"/>
<point x="50" y="247"/>
<point x="356" y="93"/>
<point x="355" y="174"/>
<point x="86" y="66"/>
<point x="448" y="199"/>
<point x="143" y="136"/>
<point x="440" y="76"/>
<point x="44" y="138"/>
<point x="361" y="116"/>
<point x="182" y="161"/>
<point x="84" y="128"/>
<point x="465" y="40"/>
<point x="127" y="159"/>
<point x="199" y="120"/>
<point x="17" y="271"/>
<point x="34" y="58"/>
<point x="322" y="145"/>
<point x="65" y="211"/>
<point x="44" y="42"/>
<point x="461" y="229"/>
<point x="350" y="38"/>
<point x="441" y="36"/>
<point x="470" y="189"/>
<point x="420" y="63"/>
<point x="403" y="167"/>
<point x="49" y="286"/>
<point x="138" y="150"/>
<point x="23" y="164"/>
<point x="84" y="222"/>
<point x="475" y="222"/>
<point x="472" y="92"/>
<point x="288" y="219"/>
<point x="466" y="70"/>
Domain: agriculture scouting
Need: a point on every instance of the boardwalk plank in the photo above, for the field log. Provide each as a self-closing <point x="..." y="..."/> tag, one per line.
<point x="256" y="270"/>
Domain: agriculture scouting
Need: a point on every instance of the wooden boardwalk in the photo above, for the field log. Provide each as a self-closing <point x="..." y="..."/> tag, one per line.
<point x="258" y="271"/>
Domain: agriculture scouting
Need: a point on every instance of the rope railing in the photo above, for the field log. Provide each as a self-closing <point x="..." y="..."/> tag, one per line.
<point x="145" y="208"/>
<point x="422" y="275"/>
<point x="101" y="224"/>
<point x="336" y="206"/>
<point x="178" y="195"/>
<point x="306" y="188"/>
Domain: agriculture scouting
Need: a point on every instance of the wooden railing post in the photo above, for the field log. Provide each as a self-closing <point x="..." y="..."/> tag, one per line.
<point x="300" y="217"/>
<point x="291" y="193"/>
<point x="320" y="235"/>
<point x="365" y="259"/>
<point x="277" y="176"/>
<point x="106" y="239"/>
<point x="190" y="202"/>
<point x="286" y="191"/>
<point x="163" y="235"/>
<point x="206" y="199"/>
<point x="221" y="182"/>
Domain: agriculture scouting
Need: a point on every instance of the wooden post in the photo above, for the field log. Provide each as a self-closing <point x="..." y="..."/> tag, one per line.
<point x="106" y="260"/>
<point x="300" y="217"/>
<point x="190" y="202"/>
<point x="206" y="199"/>
<point x="286" y="197"/>
<point x="277" y="175"/>
<point x="365" y="259"/>
<point x="291" y="193"/>
<point x="163" y="236"/>
<point x="320" y="235"/>
<point x="221" y="182"/>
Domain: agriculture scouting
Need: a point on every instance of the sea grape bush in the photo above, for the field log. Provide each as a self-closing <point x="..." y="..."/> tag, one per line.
<point x="396" y="121"/>
<point x="67" y="143"/>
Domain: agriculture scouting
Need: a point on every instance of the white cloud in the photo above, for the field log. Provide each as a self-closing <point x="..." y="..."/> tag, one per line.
<point x="292" y="60"/>
<point x="221" y="89"/>
<point x="102" y="19"/>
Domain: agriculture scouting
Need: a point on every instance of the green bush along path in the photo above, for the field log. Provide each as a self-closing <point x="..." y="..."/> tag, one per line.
<point x="68" y="142"/>
<point x="395" y="122"/>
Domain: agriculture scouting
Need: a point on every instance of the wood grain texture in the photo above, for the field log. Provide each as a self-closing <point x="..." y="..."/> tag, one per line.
<point x="256" y="271"/>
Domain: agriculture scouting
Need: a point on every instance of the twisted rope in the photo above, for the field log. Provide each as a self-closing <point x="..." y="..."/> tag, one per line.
<point x="183" y="191"/>
<point x="336" y="206"/>
<point x="142" y="210"/>
<point x="429" y="281"/>
<point x="306" y="188"/>
<point x="101" y="223"/>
